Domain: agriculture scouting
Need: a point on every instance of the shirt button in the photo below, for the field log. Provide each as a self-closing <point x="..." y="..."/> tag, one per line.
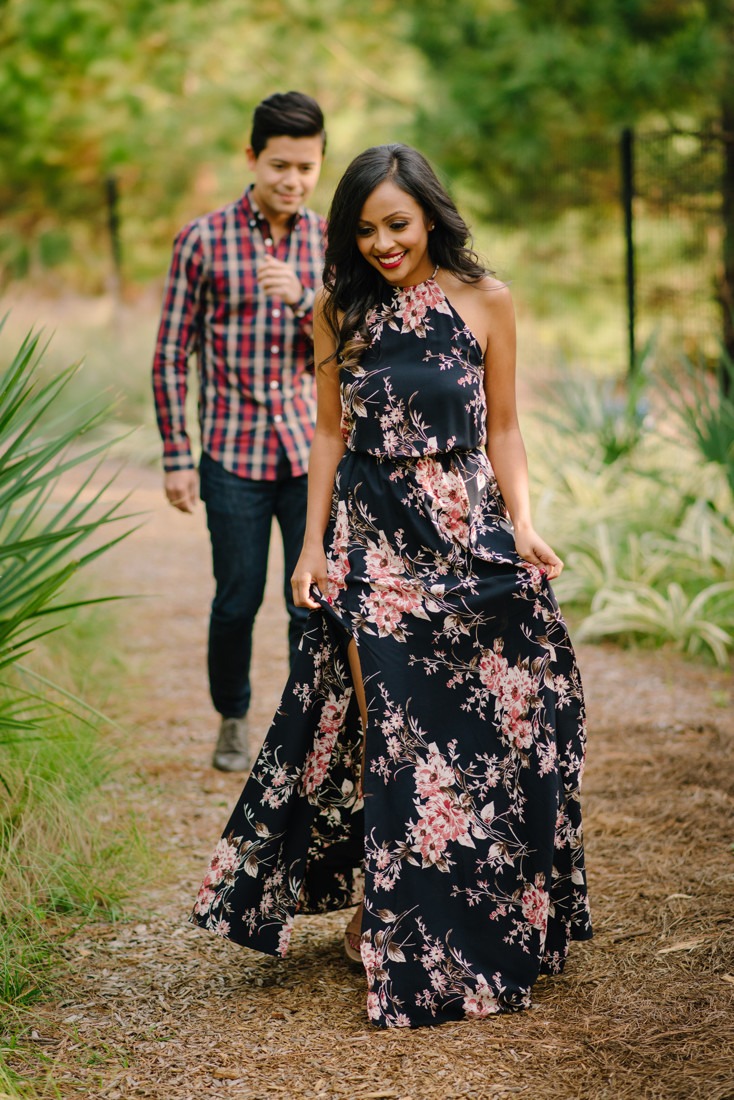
<point x="268" y="241"/>
<point x="276" y="313"/>
<point x="275" y="349"/>
<point x="278" y="418"/>
<point x="253" y="223"/>
<point x="274" y="385"/>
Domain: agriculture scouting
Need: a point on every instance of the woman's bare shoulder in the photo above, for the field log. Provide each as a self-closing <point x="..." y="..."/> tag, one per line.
<point x="321" y="300"/>
<point x="495" y="297"/>
<point x="487" y="284"/>
<point x="491" y="285"/>
<point x="321" y="297"/>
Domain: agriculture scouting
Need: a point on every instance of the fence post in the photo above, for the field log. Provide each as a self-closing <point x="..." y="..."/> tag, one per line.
<point x="626" y="160"/>
<point x="113" y="226"/>
<point x="727" y="278"/>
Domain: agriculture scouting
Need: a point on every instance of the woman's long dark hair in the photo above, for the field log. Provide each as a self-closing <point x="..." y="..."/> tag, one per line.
<point x="353" y="285"/>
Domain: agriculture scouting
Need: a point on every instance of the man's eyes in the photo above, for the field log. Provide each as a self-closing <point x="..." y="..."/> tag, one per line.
<point x="304" y="169"/>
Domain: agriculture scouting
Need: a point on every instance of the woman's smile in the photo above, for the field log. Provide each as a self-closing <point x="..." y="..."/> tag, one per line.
<point x="392" y="235"/>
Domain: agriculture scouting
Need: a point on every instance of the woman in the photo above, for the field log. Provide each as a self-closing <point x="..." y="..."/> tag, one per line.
<point x="426" y="756"/>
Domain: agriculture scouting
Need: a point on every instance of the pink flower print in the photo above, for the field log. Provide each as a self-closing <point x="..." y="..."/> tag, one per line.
<point x="385" y="617"/>
<point x="448" y="816"/>
<point x="480" y="1001"/>
<point x="412" y="303"/>
<point x="428" y="475"/>
<point x="204" y="900"/>
<point x="347" y="424"/>
<point x="440" y="820"/>
<point x="438" y="980"/>
<point x="436" y="954"/>
<point x="373" y="1006"/>
<point x="535" y="904"/>
<point x="450" y="499"/>
<point x="403" y="596"/>
<point x="492" y="669"/>
<point x="412" y="314"/>
<point x="515" y="688"/>
<point x="429" y="840"/>
<point x="371" y="959"/>
<point x="330" y="723"/>
<point x="382" y="858"/>
<point x="337" y="565"/>
<point x="225" y="859"/>
<point x="394" y="748"/>
<point x="432" y="773"/>
<point x="284" y="937"/>
<point x="381" y="561"/>
<point x="518" y="730"/>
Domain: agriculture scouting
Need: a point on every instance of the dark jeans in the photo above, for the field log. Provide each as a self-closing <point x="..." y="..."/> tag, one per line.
<point x="239" y="514"/>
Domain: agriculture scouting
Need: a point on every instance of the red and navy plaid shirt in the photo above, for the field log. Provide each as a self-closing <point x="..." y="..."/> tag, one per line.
<point x="255" y="353"/>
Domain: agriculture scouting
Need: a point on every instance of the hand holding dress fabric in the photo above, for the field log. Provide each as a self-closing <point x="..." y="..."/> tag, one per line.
<point x="533" y="548"/>
<point x="310" y="570"/>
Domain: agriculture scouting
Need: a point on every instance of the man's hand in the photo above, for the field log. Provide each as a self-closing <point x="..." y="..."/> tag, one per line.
<point x="182" y="489"/>
<point x="278" y="279"/>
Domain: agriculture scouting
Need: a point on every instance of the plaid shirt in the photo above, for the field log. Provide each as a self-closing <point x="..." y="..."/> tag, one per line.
<point x="254" y="353"/>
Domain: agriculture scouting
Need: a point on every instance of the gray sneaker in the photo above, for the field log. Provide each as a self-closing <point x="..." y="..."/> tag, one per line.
<point x="231" y="753"/>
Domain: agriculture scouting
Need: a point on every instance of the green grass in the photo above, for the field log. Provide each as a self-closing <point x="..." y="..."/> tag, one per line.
<point x="70" y="851"/>
<point x="66" y="849"/>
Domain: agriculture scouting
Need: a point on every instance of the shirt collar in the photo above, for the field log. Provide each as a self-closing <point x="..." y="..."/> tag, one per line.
<point x="254" y="215"/>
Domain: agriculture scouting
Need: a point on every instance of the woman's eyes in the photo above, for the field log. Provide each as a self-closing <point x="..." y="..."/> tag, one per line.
<point x="397" y="227"/>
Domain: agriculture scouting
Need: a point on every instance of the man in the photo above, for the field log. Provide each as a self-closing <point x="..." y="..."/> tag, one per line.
<point x="240" y="294"/>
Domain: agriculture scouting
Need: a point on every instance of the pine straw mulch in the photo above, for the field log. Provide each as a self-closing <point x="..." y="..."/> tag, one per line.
<point x="155" y="1008"/>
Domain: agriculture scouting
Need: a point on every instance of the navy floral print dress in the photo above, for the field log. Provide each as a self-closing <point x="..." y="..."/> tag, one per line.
<point x="465" y="841"/>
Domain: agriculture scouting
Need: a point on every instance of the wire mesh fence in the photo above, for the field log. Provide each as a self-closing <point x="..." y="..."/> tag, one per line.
<point x="678" y="238"/>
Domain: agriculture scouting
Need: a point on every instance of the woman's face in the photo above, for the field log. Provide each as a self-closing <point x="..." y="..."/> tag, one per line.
<point x="392" y="235"/>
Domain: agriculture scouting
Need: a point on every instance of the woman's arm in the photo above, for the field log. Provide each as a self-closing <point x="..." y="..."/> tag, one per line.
<point x="326" y="451"/>
<point x="505" y="447"/>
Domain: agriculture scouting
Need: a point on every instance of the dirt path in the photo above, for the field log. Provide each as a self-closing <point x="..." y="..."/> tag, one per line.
<point x="155" y="1008"/>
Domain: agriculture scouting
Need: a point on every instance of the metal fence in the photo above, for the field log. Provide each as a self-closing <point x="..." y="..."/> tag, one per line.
<point x="671" y="193"/>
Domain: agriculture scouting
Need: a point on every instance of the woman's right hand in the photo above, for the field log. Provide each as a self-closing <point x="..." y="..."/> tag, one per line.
<point x="310" y="569"/>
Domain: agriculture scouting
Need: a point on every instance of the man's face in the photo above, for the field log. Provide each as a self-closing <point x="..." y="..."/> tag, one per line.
<point x="286" y="172"/>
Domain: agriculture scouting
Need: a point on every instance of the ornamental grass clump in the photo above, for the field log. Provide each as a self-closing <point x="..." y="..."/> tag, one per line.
<point x="58" y="860"/>
<point x="648" y="538"/>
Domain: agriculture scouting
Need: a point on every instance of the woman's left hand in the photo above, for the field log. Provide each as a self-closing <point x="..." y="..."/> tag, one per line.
<point x="533" y="548"/>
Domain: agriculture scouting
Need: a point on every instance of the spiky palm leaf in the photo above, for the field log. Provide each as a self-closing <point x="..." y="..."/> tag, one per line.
<point x="41" y="538"/>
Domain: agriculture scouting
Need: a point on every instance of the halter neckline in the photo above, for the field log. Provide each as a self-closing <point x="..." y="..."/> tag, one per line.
<point x="414" y="286"/>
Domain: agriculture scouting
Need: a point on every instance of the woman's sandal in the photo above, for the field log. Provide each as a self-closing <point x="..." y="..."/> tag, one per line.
<point x="352" y="937"/>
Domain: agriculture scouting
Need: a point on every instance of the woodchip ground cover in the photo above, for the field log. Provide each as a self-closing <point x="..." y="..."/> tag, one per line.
<point x="152" y="1008"/>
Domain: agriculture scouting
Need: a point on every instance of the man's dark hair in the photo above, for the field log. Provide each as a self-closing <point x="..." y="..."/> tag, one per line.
<point x="286" y="114"/>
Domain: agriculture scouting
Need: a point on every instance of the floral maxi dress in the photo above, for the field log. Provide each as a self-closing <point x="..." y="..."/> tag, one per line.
<point x="465" y="838"/>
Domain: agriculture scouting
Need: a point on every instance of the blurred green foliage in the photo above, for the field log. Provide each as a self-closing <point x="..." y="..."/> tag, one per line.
<point x="522" y="90"/>
<point x="508" y="96"/>
<point x="160" y="95"/>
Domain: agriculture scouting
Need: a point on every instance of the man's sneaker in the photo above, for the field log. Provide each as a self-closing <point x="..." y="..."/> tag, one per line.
<point x="231" y="753"/>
